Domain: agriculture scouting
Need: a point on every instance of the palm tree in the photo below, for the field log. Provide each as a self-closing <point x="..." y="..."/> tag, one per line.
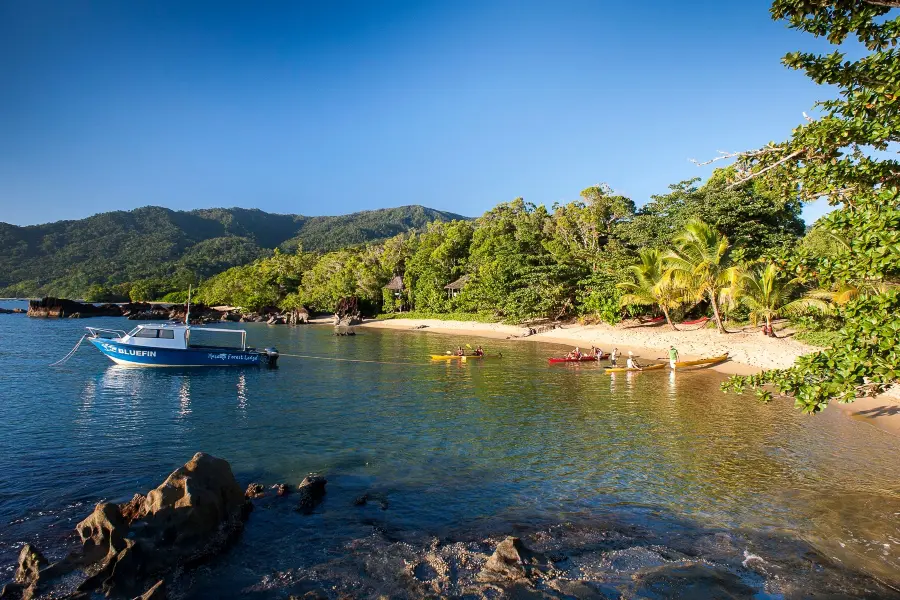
<point x="651" y="285"/>
<point x="840" y="294"/>
<point x="768" y="296"/>
<point x="701" y="263"/>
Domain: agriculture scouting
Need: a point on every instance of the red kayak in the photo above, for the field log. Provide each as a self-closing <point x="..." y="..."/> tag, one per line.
<point x="575" y="360"/>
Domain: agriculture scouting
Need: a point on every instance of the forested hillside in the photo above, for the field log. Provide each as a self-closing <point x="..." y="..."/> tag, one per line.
<point x="68" y="258"/>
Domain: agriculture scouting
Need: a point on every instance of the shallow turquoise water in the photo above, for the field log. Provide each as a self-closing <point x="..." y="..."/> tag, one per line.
<point x="455" y="449"/>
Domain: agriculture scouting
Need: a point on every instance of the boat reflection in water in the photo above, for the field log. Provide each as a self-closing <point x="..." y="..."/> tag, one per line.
<point x="184" y="397"/>
<point x="242" y="392"/>
<point x="122" y="388"/>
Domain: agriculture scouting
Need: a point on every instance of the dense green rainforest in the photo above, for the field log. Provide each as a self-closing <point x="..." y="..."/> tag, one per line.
<point x="733" y="248"/>
<point x="108" y="255"/>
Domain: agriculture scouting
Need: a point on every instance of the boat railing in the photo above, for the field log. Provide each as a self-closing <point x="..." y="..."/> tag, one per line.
<point x="107" y="334"/>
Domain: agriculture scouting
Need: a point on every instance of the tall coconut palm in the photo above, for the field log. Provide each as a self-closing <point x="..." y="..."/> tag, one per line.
<point x="701" y="263"/>
<point x="651" y="285"/>
<point x="768" y="295"/>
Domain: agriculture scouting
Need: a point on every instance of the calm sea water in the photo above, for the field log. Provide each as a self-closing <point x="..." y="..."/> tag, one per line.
<point x="457" y="450"/>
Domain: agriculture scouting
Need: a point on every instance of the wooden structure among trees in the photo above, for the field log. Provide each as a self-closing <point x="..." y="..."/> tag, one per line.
<point x="397" y="289"/>
<point x="453" y="288"/>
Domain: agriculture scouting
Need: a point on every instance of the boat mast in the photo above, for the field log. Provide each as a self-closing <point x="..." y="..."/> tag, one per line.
<point x="187" y="313"/>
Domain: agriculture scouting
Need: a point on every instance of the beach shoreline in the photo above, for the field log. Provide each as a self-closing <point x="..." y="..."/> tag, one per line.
<point x="749" y="352"/>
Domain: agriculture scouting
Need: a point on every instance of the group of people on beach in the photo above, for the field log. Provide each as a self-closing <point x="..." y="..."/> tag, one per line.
<point x="577" y="354"/>
<point x="631" y="362"/>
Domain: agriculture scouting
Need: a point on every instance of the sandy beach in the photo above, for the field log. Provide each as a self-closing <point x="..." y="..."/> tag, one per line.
<point x="750" y="352"/>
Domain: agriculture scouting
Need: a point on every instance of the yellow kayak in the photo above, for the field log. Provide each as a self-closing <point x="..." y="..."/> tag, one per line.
<point x="702" y="361"/>
<point x="624" y="369"/>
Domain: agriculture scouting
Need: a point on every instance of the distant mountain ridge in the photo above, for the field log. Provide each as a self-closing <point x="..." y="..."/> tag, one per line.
<point x="66" y="257"/>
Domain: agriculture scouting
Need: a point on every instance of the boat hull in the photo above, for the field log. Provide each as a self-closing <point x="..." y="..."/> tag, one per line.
<point x="138" y="356"/>
<point x="554" y="361"/>
<point x="627" y="370"/>
<point x="463" y="358"/>
<point x="701" y="362"/>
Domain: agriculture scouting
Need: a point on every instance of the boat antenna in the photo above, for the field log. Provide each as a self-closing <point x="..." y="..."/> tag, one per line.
<point x="187" y="313"/>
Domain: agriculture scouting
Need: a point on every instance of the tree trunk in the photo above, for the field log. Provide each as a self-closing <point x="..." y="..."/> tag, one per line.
<point x="668" y="320"/>
<point x="715" y="307"/>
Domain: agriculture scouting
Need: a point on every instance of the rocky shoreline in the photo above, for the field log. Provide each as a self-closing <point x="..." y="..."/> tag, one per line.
<point x="149" y="547"/>
<point x="61" y="308"/>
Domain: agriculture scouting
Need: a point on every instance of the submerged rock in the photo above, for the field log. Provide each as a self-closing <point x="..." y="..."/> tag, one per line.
<point x="311" y="491"/>
<point x="694" y="580"/>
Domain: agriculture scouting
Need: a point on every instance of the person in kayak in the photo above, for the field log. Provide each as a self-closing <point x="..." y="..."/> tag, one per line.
<point x="614" y="357"/>
<point x="596" y="353"/>
<point x="632" y="362"/>
<point x="673" y="357"/>
<point x="460" y="351"/>
<point x="479" y="351"/>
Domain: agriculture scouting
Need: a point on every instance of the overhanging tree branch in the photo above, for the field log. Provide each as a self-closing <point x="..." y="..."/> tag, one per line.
<point x="887" y="3"/>
<point x="769" y="168"/>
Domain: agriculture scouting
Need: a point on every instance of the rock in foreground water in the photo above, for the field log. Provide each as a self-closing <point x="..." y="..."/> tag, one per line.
<point x="512" y="560"/>
<point x="193" y="514"/>
<point x="311" y="491"/>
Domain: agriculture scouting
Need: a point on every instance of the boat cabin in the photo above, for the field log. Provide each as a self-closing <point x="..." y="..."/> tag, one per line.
<point x="182" y="337"/>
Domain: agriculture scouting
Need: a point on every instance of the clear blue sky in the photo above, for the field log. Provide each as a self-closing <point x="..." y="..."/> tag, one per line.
<point x="332" y="107"/>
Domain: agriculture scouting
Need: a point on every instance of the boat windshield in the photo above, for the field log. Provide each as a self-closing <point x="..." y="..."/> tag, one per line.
<point x="143" y="331"/>
<point x="217" y="338"/>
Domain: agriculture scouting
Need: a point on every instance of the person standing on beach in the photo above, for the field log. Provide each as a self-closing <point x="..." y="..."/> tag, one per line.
<point x="613" y="357"/>
<point x="673" y="356"/>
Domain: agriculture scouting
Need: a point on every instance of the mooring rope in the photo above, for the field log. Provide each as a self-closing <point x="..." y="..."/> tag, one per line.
<point x="71" y="352"/>
<point x="353" y="360"/>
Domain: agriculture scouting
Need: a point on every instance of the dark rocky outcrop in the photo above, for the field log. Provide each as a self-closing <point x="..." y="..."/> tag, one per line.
<point x="131" y="510"/>
<point x="512" y="560"/>
<point x="60" y="308"/>
<point x="311" y="491"/>
<point x="24" y="585"/>
<point x="103" y="533"/>
<point x="255" y="490"/>
<point x="157" y="592"/>
<point x="200" y="313"/>
<point x="31" y="561"/>
<point x="192" y="515"/>
<point x="12" y="311"/>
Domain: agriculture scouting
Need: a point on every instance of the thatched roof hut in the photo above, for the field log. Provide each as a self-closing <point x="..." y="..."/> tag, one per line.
<point x="395" y="284"/>
<point x="454" y="287"/>
<point x="458" y="284"/>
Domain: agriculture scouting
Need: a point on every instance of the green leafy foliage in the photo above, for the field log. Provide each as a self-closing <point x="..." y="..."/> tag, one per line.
<point x="840" y="155"/>
<point x="864" y="359"/>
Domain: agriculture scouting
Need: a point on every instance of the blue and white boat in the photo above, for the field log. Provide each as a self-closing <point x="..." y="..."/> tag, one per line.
<point x="179" y="345"/>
